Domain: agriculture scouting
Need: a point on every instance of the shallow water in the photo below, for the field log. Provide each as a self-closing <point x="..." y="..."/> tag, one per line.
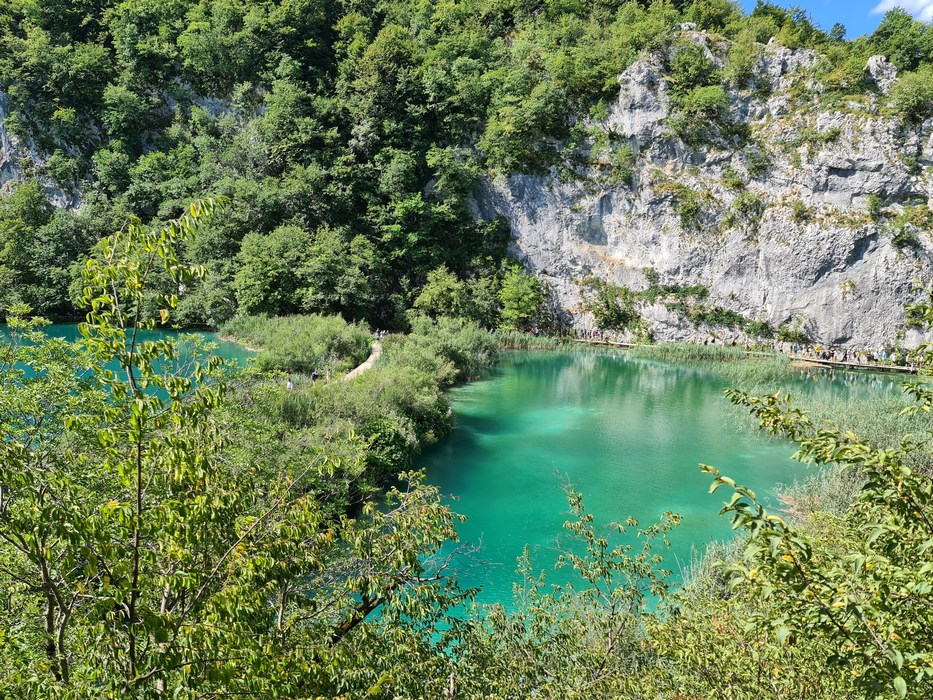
<point x="225" y="349"/>
<point x="628" y="433"/>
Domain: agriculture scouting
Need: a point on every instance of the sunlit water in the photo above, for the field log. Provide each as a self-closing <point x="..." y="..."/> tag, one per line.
<point x="628" y="433"/>
<point x="225" y="349"/>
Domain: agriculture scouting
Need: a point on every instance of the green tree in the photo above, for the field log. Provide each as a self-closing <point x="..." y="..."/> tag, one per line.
<point x="339" y="276"/>
<point x="269" y="278"/>
<point x="690" y="68"/>
<point x="442" y="295"/>
<point x="522" y="296"/>
<point x="709" y="102"/>
<point x="912" y="95"/>
<point x="613" y="307"/>
<point x="124" y="113"/>
<point x="906" y="42"/>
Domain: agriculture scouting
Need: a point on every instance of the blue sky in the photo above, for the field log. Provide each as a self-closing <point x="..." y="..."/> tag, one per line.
<point x="858" y="16"/>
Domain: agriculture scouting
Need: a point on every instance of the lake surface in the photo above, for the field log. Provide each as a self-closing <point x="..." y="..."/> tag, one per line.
<point x="225" y="349"/>
<point x="628" y="433"/>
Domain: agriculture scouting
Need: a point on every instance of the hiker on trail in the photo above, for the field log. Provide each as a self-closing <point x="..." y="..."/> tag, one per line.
<point x="314" y="376"/>
<point x="288" y="384"/>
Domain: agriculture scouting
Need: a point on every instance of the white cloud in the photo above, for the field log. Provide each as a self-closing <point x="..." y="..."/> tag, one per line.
<point x="921" y="9"/>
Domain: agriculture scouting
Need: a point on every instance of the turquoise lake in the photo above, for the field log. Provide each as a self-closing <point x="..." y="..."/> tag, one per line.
<point x="628" y="433"/>
<point x="225" y="349"/>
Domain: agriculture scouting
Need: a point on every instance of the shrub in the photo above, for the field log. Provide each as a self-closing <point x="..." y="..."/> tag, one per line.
<point x="732" y="179"/>
<point x="761" y="329"/>
<point x="757" y="162"/>
<point x="622" y="165"/>
<point x="748" y="209"/>
<point x="740" y="65"/>
<point x="788" y="334"/>
<point x="690" y="68"/>
<point x="709" y="102"/>
<point x="911" y="97"/>
<point x="799" y="212"/>
<point x="302" y="344"/>
<point x="612" y="306"/>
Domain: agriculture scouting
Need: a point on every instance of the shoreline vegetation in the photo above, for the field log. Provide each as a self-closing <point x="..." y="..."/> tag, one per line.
<point x="363" y="433"/>
<point x="299" y="345"/>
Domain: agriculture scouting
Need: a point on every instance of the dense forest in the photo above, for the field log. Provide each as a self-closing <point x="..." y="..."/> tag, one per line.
<point x="171" y="525"/>
<point x="348" y="136"/>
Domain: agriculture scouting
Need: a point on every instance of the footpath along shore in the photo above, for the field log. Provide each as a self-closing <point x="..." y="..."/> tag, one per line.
<point x="369" y="362"/>
<point x="873" y="367"/>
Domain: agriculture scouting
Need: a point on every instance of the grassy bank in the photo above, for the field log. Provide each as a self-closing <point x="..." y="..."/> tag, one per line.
<point x="302" y="344"/>
<point x="377" y="422"/>
<point x="517" y="340"/>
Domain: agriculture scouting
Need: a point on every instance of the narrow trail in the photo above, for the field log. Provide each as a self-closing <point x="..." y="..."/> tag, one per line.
<point x="803" y="359"/>
<point x="367" y="363"/>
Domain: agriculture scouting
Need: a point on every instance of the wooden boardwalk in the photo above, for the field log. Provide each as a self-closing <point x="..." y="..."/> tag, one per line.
<point x="369" y="362"/>
<point x="798" y="358"/>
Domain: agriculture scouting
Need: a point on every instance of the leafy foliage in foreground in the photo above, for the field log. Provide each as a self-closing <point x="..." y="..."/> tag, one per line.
<point x="180" y="529"/>
<point x="146" y="550"/>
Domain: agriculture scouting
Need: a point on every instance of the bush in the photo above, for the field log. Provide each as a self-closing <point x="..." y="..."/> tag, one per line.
<point x="759" y="329"/>
<point x="612" y="306"/>
<point x="732" y="179"/>
<point x="302" y="344"/>
<point x="911" y="96"/>
<point x="748" y="209"/>
<point x="757" y="162"/>
<point x="740" y="65"/>
<point x="622" y="165"/>
<point x="799" y="212"/>
<point x="688" y="209"/>
<point x="710" y="102"/>
<point x="788" y="334"/>
<point x="690" y="68"/>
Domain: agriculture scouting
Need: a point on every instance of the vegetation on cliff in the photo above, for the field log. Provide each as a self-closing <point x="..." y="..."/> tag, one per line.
<point x="349" y="136"/>
<point x="202" y="532"/>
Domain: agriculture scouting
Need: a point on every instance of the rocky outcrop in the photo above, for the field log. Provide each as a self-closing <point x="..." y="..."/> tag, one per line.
<point x="20" y="159"/>
<point x="783" y="228"/>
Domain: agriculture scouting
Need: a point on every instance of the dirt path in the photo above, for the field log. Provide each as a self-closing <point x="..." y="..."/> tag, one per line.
<point x="369" y="362"/>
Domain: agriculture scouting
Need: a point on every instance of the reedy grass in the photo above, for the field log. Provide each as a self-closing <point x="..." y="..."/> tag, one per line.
<point x="302" y="344"/>
<point x="878" y="419"/>
<point x="734" y="364"/>
<point x="517" y="340"/>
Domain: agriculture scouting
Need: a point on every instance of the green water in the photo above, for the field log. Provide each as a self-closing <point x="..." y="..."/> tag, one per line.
<point x="188" y="352"/>
<point x="225" y="349"/>
<point x="628" y="433"/>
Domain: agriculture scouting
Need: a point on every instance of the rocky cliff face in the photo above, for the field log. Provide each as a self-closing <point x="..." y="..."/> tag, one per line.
<point x="806" y="223"/>
<point x="21" y="160"/>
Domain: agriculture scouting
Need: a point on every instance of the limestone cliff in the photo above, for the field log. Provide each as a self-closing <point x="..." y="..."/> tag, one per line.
<point x="804" y="222"/>
<point x="20" y="159"/>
